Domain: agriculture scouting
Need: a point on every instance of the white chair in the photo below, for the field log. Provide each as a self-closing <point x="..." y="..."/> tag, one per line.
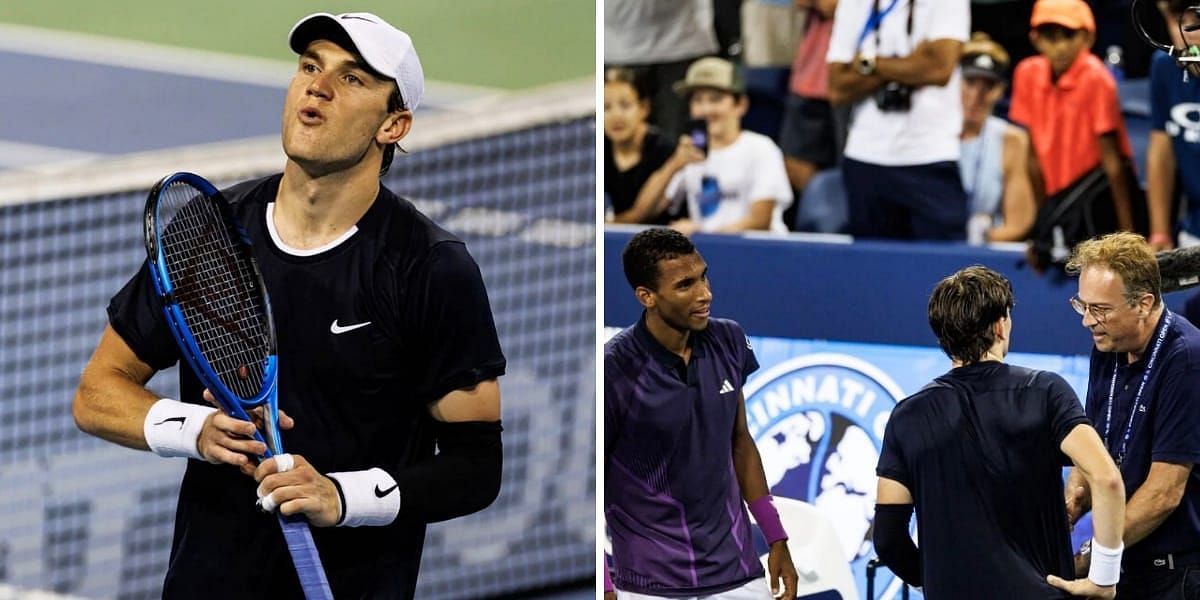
<point x="816" y="552"/>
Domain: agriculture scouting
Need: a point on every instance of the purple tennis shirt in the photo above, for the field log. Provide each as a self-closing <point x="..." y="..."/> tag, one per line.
<point x="671" y="498"/>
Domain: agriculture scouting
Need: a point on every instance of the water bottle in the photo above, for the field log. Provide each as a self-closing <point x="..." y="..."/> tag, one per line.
<point x="1114" y="57"/>
<point x="710" y="196"/>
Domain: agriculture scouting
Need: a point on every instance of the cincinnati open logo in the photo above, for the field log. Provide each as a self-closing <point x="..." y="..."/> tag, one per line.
<point x="818" y="421"/>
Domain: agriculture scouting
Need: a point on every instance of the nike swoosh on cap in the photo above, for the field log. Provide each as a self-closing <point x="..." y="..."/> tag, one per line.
<point x="335" y="329"/>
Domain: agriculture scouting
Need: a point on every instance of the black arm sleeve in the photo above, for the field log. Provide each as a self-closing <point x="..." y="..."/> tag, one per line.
<point x="462" y="478"/>
<point x="893" y="544"/>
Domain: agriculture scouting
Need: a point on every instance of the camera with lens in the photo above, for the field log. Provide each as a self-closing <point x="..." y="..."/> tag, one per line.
<point x="894" y="97"/>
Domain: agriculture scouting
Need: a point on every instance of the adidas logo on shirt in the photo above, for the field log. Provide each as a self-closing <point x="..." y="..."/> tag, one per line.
<point x="726" y="387"/>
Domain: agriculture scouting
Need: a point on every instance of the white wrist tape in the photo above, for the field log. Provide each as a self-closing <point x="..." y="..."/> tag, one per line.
<point x="372" y="497"/>
<point x="172" y="427"/>
<point x="1106" y="564"/>
<point x="283" y="462"/>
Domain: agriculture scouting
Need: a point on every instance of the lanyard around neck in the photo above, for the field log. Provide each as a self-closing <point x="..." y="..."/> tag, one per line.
<point x="875" y="21"/>
<point x="1137" y="399"/>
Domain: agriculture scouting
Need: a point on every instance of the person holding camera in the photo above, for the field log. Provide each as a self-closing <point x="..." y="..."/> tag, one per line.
<point x="897" y="63"/>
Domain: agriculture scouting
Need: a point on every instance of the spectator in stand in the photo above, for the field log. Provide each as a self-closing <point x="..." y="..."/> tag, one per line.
<point x="741" y="185"/>
<point x="659" y="39"/>
<point x="1067" y="100"/>
<point x="1007" y="23"/>
<point x="994" y="164"/>
<point x="899" y="68"/>
<point x="635" y="154"/>
<point x="1174" y="140"/>
<point x="813" y="133"/>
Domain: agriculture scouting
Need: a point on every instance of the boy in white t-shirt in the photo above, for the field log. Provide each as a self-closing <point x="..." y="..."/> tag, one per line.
<point x="741" y="185"/>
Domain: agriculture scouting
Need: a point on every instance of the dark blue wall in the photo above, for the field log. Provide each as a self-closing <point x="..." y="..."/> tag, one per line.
<point x="861" y="292"/>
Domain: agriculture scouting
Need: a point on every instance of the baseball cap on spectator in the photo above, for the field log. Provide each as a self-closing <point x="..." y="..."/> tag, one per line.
<point x="1072" y="14"/>
<point x="714" y="73"/>
<point x="386" y="49"/>
<point x="982" y="57"/>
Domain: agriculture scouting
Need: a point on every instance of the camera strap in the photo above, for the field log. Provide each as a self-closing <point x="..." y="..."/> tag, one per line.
<point x="875" y="21"/>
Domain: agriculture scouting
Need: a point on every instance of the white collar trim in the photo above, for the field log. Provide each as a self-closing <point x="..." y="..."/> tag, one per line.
<point x="297" y="251"/>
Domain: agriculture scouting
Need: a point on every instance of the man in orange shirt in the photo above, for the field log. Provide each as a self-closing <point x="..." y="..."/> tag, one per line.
<point x="1067" y="100"/>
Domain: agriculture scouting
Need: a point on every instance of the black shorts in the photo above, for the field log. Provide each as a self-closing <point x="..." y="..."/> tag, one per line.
<point x="813" y="131"/>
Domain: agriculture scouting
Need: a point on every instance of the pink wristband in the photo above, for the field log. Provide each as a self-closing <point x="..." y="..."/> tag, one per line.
<point x="768" y="519"/>
<point x="608" y="586"/>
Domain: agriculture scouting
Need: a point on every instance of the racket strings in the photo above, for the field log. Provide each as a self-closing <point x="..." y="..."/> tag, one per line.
<point x="216" y="288"/>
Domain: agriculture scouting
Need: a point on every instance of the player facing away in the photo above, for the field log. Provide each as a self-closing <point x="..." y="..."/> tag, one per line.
<point x="386" y="342"/>
<point x="680" y="465"/>
<point x="979" y="453"/>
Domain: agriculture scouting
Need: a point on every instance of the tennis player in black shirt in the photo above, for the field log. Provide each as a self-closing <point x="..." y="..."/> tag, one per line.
<point x="387" y="348"/>
<point x="979" y="453"/>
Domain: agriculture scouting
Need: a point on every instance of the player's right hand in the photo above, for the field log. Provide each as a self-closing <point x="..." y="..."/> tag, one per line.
<point x="226" y="440"/>
<point x="1083" y="588"/>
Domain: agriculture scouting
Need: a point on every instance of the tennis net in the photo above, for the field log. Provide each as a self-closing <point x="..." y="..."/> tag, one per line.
<point x="514" y="177"/>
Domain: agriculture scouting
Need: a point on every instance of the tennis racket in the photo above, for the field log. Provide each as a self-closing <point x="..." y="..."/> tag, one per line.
<point x="218" y="311"/>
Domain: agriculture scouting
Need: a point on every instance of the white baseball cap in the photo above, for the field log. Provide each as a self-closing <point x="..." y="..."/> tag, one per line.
<point x="385" y="48"/>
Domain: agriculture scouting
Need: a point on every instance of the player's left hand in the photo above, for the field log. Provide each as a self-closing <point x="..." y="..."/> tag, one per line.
<point x="779" y="564"/>
<point x="298" y="490"/>
<point x="1082" y="588"/>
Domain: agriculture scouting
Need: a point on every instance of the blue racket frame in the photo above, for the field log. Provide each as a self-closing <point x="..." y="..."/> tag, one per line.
<point x="295" y="528"/>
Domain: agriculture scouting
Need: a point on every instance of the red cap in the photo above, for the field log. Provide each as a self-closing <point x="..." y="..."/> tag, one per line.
<point x="1072" y="14"/>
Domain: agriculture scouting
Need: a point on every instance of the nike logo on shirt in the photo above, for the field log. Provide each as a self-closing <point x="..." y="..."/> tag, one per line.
<point x="335" y="329"/>
<point x="381" y="493"/>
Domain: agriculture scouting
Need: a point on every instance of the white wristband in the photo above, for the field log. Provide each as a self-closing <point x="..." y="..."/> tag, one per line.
<point x="1106" y="564"/>
<point x="371" y="497"/>
<point x="172" y="427"/>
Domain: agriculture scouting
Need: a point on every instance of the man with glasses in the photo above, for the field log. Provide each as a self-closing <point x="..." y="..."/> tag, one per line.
<point x="1144" y="398"/>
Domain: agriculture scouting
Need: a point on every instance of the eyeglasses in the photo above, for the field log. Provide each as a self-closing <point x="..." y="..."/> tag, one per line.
<point x="1100" y="313"/>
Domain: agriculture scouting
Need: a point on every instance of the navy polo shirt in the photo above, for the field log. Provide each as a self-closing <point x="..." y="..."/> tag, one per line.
<point x="672" y="502"/>
<point x="1166" y="427"/>
<point x="979" y="448"/>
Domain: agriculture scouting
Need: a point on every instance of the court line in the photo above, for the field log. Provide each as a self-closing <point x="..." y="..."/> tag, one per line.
<point x="175" y="60"/>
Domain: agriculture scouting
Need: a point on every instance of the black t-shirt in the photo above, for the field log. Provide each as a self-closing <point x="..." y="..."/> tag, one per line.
<point x="359" y="393"/>
<point x="979" y="450"/>
<point x="622" y="187"/>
